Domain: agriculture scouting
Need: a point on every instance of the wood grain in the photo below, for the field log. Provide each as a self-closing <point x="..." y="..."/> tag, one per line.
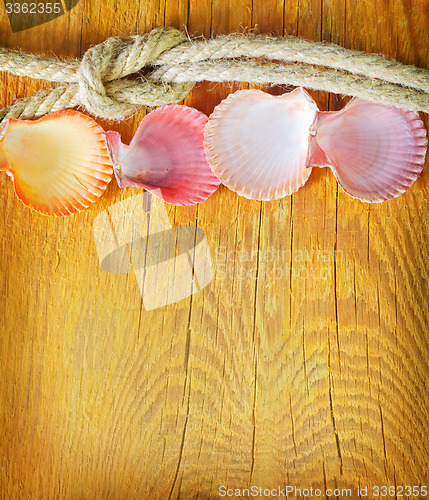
<point x="304" y="362"/>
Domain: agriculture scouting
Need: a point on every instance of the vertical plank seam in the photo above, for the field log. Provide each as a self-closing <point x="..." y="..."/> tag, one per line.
<point x="384" y="440"/>
<point x="182" y="445"/>
<point x="291" y="263"/>
<point x="335" y="283"/>
<point x="304" y="356"/>
<point x="255" y="352"/>
<point x="337" y="439"/>
<point x="292" y="425"/>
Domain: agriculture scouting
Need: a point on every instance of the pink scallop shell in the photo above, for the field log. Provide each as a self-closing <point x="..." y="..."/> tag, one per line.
<point x="375" y="151"/>
<point x="166" y="156"/>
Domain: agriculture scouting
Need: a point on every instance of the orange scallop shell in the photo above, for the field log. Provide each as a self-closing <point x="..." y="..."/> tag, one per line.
<point x="60" y="163"/>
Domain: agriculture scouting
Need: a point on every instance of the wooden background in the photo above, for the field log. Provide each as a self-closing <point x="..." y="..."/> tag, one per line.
<point x="304" y="362"/>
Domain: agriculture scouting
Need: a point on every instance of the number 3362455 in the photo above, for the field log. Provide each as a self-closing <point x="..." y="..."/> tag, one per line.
<point x="33" y="8"/>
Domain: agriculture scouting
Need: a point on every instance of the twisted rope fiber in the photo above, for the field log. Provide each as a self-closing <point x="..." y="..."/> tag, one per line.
<point x="99" y="82"/>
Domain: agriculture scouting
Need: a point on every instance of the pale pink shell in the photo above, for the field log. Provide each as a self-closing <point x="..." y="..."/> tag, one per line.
<point x="257" y="144"/>
<point x="375" y="151"/>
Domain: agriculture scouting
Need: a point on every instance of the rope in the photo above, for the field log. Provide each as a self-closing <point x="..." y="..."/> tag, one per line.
<point x="105" y="81"/>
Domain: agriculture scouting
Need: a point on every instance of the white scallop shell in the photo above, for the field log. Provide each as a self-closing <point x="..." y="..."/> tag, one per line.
<point x="257" y="144"/>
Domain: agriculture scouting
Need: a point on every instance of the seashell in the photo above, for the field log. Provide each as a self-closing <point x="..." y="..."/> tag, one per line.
<point x="375" y="151"/>
<point x="60" y="163"/>
<point x="166" y="156"/>
<point x="257" y="144"/>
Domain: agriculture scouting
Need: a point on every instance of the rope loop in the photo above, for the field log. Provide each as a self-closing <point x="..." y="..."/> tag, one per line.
<point x="114" y="60"/>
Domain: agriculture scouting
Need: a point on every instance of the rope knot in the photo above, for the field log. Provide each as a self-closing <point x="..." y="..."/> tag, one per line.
<point x="104" y="68"/>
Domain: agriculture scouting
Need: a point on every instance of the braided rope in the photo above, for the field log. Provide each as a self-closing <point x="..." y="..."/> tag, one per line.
<point x="99" y="82"/>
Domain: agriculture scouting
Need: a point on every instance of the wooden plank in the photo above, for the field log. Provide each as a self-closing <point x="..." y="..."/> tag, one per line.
<point x="303" y="362"/>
